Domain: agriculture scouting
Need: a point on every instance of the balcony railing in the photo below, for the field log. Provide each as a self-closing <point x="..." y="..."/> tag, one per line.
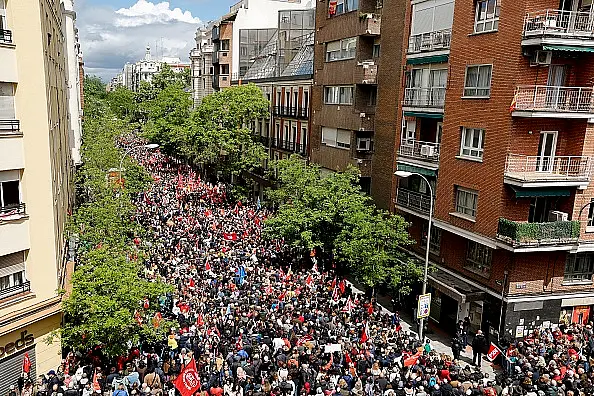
<point x="12" y="212"/>
<point x="9" y="127"/>
<point x="14" y="290"/>
<point x="425" y="97"/>
<point x="525" y="234"/>
<point x="289" y="146"/>
<point x="413" y="200"/>
<point x="425" y="151"/>
<point x="5" y="36"/>
<point x="287" y="111"/>
<point x="560" y="23"/>
<point x="432" y="41"/>
<point x="554" y="99"/>
<point x="539" y="168"/>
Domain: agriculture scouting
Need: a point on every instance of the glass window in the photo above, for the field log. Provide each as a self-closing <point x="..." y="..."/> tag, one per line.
<point x="472" y="143"/>
<point x="341" y="49"/>
<point x="9" y="194"/>
<point x="337" y="7"/>
<point x="435" y="242"/>
<point x="579" y="268"/>
<point x="329" y="136"/>
<point x="343" y="139"/>
<point x="591" y="213"/>
<point x="478" y="81"/>
<point x="466" y="202"/>
<point x="338" y="95"/>
<point x="478" y="258"/>
<point x="487" y="16"/>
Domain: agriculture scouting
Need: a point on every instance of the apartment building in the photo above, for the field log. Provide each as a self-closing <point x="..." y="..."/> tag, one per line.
<point x="345" y="91"/>
<point x="202" y="70"/>
<point x="35" y="182"/>
<point x="283" y="69"/>
<point x="497" y="115"/>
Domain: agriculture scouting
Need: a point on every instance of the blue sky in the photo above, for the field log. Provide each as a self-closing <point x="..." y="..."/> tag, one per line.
<point x="113" y="32"/>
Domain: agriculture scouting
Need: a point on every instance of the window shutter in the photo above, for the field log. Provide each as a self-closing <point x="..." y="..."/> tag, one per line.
<point x="12" y="263"/>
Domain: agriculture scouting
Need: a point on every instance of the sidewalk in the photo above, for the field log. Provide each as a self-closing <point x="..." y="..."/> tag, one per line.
<point x="440" y="341"/>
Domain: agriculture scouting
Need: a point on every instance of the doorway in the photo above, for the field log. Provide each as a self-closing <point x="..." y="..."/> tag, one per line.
<point x="546" y="151"/>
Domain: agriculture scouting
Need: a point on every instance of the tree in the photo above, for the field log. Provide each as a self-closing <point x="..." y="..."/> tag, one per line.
<point x="219" y="134"/>
<point x="122" y="103"/>
<point x="93" y="87"/>
<point x="333" y="213"/>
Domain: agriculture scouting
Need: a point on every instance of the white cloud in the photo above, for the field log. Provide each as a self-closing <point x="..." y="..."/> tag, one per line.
<point x="144" y="12"/>
<point x="108" y="43"/>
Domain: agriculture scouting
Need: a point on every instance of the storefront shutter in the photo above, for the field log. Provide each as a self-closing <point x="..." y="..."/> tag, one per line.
<point x="12" y="367"/>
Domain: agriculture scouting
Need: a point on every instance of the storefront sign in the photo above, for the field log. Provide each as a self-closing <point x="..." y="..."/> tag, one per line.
<point x="24" y="341"/>
<point x="424" y="305"/>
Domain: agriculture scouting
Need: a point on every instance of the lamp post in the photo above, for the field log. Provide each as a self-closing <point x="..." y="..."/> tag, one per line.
<point x="405" y="174"/>
<point x="151" y="146"/>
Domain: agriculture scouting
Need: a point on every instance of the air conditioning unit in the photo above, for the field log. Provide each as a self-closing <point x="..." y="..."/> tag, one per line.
<point x="555" y="215"/>
<point x="427" y="150"/>
<point x="363" y="144"/>
<point x="541" y="58"/>
<point x="362" y="115"/>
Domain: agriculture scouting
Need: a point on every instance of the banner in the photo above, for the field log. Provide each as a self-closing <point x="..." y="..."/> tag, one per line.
<point x="188" y="381"/>
<point x="493" y="352"/>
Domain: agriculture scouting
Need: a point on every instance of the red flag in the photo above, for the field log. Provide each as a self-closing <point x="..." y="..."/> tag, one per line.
<point x="370" y="308"/>
<point x="304" y="339"/>
<point x="309" y="280"/>
<point x="207" y="266"/>
<point x="493" y="352"/>
<point x="188" y="381"/>
<point x="145" y="303"/>
<point x="207" y="213"/>
<point x="364" y="336"/>
<point x="399" y="327"/>
<point x="157" y="319"/>
<point x="342" y="285"/>
<point x="334" y="283"/>
<point x="411" y="361"/>
<point x="200" y="321"/>
<point x="138" y="318"/>
<point x="96" y="385"/>
<point x="282" y="295"/>
<point x="327" y="367"/>
<point x="347" y="358"/>
<point x="192" y="283"/>
<point x="26" y="363"/>
<point x="230" y="237"/>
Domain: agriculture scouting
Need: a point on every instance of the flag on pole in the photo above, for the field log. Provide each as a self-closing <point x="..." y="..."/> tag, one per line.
<point x="309" y="280"/>
<point x="364" y="335"/>
<point x="207" y="266"/>
<point x="188" y="380"/>
<point x="493" y="352"/>
<point x="348" y="307"/>
<point x="342" y="286"/>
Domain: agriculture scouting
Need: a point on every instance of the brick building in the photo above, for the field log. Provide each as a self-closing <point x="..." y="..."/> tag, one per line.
<point x="497" y="114"/>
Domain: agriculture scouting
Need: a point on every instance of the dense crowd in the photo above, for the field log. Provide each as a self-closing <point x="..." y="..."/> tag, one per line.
<point x="260" y="320"/>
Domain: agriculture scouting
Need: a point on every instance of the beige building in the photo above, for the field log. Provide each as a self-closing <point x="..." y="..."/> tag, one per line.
<point x="35" y="183"/>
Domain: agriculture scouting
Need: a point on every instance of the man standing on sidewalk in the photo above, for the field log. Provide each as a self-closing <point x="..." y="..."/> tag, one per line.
<point x="478" y="347"/>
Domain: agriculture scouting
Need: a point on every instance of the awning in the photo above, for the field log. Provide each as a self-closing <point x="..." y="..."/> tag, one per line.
<point x="416" y="169"/>
<point x="540" y="192"/>
<point x="423" y="115"/>
<point x="454" y="287"/>
<point x="567" y="48"/>
<point x="428" y="59"/>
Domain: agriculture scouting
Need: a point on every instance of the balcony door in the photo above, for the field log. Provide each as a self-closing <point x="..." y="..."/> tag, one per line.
<point x="546" y="151"/>
<point x="556" y="81"/>
<point x="437" y="83"/>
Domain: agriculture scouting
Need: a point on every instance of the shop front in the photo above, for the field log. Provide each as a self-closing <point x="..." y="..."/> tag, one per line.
<point x="576" y="310"/>
<point x="30" y="339"/>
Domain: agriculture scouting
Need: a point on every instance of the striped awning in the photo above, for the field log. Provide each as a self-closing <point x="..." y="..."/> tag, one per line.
<point x="567" y="48"/>
<point x="416" y="169"/>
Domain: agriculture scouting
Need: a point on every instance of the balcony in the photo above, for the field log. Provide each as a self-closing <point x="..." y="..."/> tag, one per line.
<point x="10" y="127"/>
<point x="293" y="112"/>
<point x="553" y="102"/>
<point x="289" y="146"/>
<point x="24" y="287"/>
<point x="365" y="73"/>
<point x="370" y="24"/>
<point x="421" y="151"/>
<point x="431" y="98"/>
<point x="538" y="171"/>
<point x="522" y="234"/>
<point x="413" y="200"/>
<point x="13" y="212"/>
<point x="559" y="28"/>
<point x="5" y="36"/>
<point x="438" y="40"/>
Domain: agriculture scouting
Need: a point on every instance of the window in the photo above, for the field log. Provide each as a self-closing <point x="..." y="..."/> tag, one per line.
<point x="466" y="201"/>
<point x="9" y="194"/>
<point x="473" y="141"/>
<point x="591" y="213"/>
<point x="376" y="51"/>
<point x="372" y="96"/>
<point x="337" y="7"/>
<point x="7" y="101"/>
<point x="579" y="268"/>
<point x="478" y="81"/>
<point x="435" y="242"/>
<point x="338" y="95"/>
<point x="341" y="49"/>
<point x="478" y="258"/>
<point x="12" y="271"/>
<point x="336" y="137"/>
<point x="224" y="45"/>
<point x="487" y="16"/>
<point x="225" y="69"/>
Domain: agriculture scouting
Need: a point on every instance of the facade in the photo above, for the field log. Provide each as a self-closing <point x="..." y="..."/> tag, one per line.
<point x="345" y="90"/>
<point x="36" y="182"/>
<point x="497" y="114"/>
<point x="283" y="69"/>
<point x="202" y="70"/>
<point x="222" y="40"/>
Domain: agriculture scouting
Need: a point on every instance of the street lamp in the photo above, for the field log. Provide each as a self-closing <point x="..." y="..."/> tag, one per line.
<point x="405" y="174"/>
<point x="151" y="146"/>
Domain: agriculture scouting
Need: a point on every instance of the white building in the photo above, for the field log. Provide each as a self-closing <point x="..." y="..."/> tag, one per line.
<point x="202" y="70"/>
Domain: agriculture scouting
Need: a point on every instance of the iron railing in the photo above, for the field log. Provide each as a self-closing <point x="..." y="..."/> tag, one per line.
<point x="413" y="200"/>
<point x="425" y="97"/>
<point x="426" y="151"/>
<point x="561" y="23"/>
<point x="554" y="99"/>
<point x="431" y="41"/>
<point x="288" y="111"/>
<point x="9" y="126"/>
<point x="14" y="290"/>
<point x="288" y="146"/>
<point x="534" y="168"/>
<point x="10" y="211"/>
<point x="5" y="36"/>
<point x="519" y="233"/>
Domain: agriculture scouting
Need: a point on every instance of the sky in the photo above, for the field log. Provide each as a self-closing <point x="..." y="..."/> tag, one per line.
<point x="113" y="32"/>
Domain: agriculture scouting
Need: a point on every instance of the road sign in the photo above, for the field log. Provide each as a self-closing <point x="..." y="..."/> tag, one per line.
<point x="424" y="306"/>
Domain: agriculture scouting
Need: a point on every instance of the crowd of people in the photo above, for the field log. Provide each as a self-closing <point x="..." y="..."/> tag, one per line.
<point x="258" y="319"/>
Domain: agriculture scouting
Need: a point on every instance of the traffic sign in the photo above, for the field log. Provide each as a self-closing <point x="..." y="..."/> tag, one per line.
<point x="424" y="306"/>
